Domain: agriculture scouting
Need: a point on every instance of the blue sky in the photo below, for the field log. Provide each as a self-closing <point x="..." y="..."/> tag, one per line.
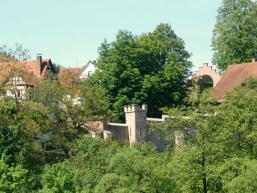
<point x="70" y="31"/>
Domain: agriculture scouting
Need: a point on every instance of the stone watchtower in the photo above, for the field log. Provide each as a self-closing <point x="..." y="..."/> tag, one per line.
<point x="136" y="122"/>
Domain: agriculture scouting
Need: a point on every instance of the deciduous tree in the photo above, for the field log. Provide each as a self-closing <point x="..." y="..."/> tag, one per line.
<point x="235" y="33"/>
<point x="151" y="68"/>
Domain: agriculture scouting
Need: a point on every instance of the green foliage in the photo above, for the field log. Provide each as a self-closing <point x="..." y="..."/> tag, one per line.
<point x="243" y="178"/>
<point x="92" y="159"/>
<point x="116" y="184"/>
<point x="12" y="178"/>
<point x="137" y="173"/>
<point x="17" y="137"/>
<point x="235" y="35"/>
<point x="56" y="68"/>
<point x="219" y="154"/>
<point x="238" y="120"/>
<point x="70" y="110"/>
<point x="60" y="178"/>
<point x="151" y="68"/>
<point x="223" y="137"/>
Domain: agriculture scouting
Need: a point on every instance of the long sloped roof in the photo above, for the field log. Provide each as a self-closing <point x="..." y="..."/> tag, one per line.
<point x="234" y="76"/>
<point x="67" y="76"/>
<point x="29" y="70"/>
<point x="7" y="70"/>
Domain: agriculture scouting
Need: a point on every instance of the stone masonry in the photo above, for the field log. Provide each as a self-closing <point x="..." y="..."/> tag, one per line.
<point x="136" y="128"/>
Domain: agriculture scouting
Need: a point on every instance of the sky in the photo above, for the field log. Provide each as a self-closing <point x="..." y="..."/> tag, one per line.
<point x="70" y="31"/>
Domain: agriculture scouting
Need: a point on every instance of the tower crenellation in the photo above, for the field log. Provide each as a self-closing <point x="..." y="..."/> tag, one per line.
<point x="136" y="122"/>
<point x="134" y="108"/>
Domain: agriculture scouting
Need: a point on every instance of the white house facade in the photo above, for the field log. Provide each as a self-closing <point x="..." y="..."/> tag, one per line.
<point x="88" y="70"/>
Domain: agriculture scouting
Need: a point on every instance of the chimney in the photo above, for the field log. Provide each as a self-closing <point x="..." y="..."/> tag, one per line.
<point x="38" y="65"/>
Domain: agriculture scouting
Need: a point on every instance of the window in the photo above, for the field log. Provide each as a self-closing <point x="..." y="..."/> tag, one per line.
<point x="89" y="73"/>
<point x="18" y="93"/>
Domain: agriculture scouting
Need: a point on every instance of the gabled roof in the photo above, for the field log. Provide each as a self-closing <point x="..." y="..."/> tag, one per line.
<point x="30" y="70"/>
<point x="90" y="62"/>
<point x="31" y="66"/>
<point x="67" y="76"/>
<point x="7" y="71"/>
<point x="234" y="76"/>
<point x="77" y="70"/>
<point x="89" y="68"/>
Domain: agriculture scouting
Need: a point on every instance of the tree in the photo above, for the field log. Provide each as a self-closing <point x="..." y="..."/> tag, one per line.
<point x="17" y="137"/>
<point x="12" y="179"/>
<point x="60" y="178"/>
<point x="137" y="169"/>
<point x="85" y="103"/>
<point x="235" y="33"/>
<point x="116" y="184"/>
<point x="217" y="140"/>
<point x="191" y="163"/>
<point x="71" y="109"/>
<point x="91" y="160"/>
<point x="241" y="176"/>
<point x="18" y="54"/>
<point x="151" y="68"/>
<point x="236" y="122"/>
<point x="19" y="147"/>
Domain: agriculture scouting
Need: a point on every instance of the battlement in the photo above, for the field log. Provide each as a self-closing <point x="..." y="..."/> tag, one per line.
<point x="206" y="65"/>
<point x="134" y="108"/>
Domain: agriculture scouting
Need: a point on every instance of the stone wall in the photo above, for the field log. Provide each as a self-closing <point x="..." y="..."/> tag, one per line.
<point x="136" y="128"/>
<point x="118" y="131"/>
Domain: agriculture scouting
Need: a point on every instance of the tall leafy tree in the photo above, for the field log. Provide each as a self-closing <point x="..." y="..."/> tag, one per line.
<point x="137" y="170"/>
<point x="235" y="33"/>
<point x="13" y="178"/>
<point x="151" y="68"/>
<point x="18" y="130"/>
<point x="71" y="110"/>
<point x="60" y="178"/>
<point x="218" y="139"/>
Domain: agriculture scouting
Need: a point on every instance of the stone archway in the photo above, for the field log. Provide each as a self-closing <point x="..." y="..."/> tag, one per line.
<point x="205" y="82"/>
<point x="207" y="74"/>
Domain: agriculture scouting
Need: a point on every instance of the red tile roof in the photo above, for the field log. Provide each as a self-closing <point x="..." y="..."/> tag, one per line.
<point x="7" y="70"/>
<point x="68" y="76"/>
<point x="234" y="76"/>
<point x="30" y="70"/>
<point x="76" y="70"/>
<point x="32" y="66"/>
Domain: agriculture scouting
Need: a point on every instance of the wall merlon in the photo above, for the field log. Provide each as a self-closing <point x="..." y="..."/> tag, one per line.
<point x="134" y="108"/>
<point x="144" y="107"/>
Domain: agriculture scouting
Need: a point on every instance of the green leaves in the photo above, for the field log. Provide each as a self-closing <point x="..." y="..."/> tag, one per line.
<point x="60" y="178"/>
<point x="151" y="68"/>
<point x="235" y="34"/>
<point x="134" y="170"/>
<point x="219" y="154"/>
<point x="13" y="179"/>
<point x="244" y="180"/>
